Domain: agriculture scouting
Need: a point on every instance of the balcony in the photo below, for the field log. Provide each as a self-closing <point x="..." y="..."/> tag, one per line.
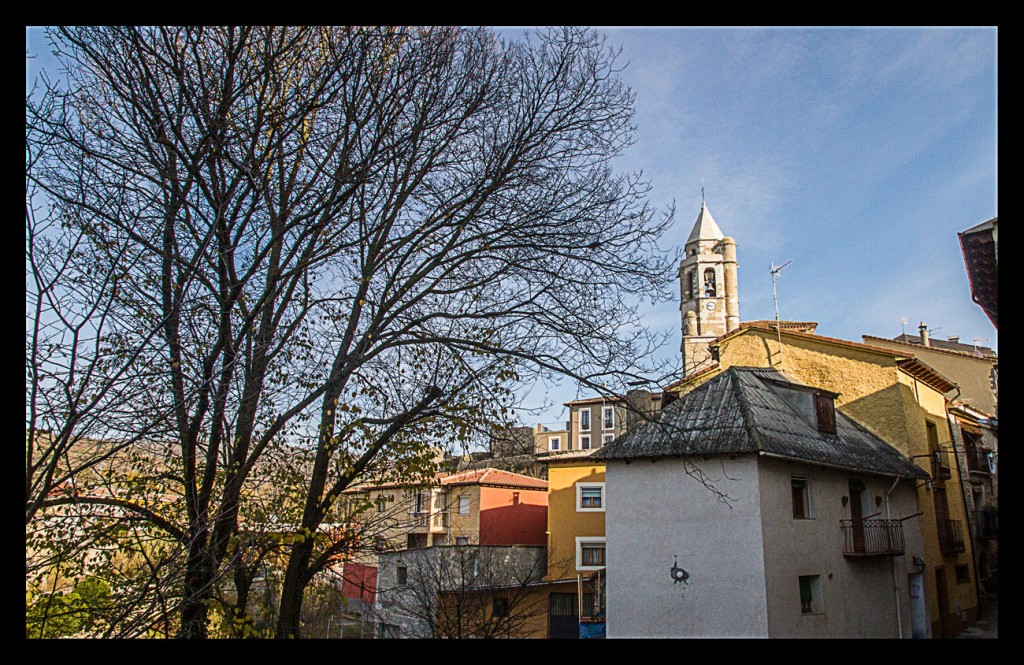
<point x="439" y="522"/>
<point x="419" y="522"/>
<point x="870" y="538"/>
<point x="951" y="536"/>
<point x="986" y="523"/>
<point x="980" y="461"/>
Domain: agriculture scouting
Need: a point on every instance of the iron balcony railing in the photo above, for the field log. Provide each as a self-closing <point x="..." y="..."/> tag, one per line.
<point x="864" y="538"/>
<point x="951" y="536"/>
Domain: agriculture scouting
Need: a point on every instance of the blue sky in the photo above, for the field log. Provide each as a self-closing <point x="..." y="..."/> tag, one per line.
<point x="855" y="153"/>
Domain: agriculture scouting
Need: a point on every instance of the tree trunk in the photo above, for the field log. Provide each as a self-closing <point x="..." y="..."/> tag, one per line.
<point x="292" y="590"/>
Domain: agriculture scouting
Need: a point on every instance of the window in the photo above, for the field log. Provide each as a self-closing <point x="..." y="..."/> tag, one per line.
<point x="500" y="608"/>
<point x="963" y="576"/>
<point x="461" y="540"/>
<point x="403" y="575"/>
<point x="589" y="497"/>
<point x="584" y="443"/>
<point x="463" y="505"/>
<point x="801" y="498"/>
<point x="709" y="283"/>
<point x="825" y="410"/>
<point x="608" y="417"/>
<point x="382" y="503"/>
<point x="589" y="553"/>
<point x="584" y="420"/>
<point x="608" y="438"/>
<point x="810" y="594"/>
<point x="691" y="286"/>
<point x="419" y="502"/>
<point x="554" y="443"/>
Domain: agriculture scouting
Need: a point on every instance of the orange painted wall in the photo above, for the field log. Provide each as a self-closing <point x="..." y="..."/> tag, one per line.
<point x="513" y="516"/>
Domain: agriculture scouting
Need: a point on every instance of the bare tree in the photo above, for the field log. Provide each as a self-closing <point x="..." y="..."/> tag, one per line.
<point x="356" y="240"/>
<point x="462" y="591"/>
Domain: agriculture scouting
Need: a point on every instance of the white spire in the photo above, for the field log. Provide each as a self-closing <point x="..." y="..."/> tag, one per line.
<point x="705" y="228"/>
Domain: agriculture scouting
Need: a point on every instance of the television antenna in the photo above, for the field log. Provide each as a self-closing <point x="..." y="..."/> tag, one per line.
<point x="904" y="320"/>
<point x="775" y="270"/>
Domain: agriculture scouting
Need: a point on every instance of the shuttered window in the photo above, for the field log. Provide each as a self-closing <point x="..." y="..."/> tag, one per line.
<point x="825" y="410"/>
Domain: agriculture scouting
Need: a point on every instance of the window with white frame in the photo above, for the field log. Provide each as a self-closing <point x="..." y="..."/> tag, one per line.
<point x="463" y="505"/>
<point x="584" y="420"/>
<point x="585" y="442"/>
<point x="589" y="497"/>
<point x="554" y="443"/>
<point x="589" y="553"/>
<point x="608" y="417"/>
<point x="608" y="438"/>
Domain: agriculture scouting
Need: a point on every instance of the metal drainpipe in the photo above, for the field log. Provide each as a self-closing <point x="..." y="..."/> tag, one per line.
<point x="968" y="517"/>
<point x="895" y="576"/>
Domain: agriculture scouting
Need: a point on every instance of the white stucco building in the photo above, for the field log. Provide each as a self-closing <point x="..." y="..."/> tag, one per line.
<point x="816" y="534"/>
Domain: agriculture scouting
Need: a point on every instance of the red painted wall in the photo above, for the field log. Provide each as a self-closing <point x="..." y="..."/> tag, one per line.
<point x="359" y="581"/>
<point x="513" y="517"/>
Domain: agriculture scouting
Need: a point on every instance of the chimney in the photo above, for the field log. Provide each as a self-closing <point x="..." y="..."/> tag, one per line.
<point x="954" y="338"/>
<point x="924" y="334"/>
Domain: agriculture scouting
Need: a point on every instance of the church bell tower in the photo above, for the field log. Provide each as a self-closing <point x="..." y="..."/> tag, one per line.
<point x="709" y="301"/>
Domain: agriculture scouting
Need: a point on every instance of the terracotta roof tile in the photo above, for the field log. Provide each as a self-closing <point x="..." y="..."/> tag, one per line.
<point x="945" y="346"/>
<point x="820" y="338"/>
<point x="566" y="455"/>
<point x="495" y="478"/>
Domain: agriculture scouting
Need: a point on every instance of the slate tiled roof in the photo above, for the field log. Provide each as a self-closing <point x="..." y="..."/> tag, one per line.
<point x="739" y="411"/>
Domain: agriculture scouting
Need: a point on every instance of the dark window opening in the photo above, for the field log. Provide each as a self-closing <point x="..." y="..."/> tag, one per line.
<point x="403" y="575"/>
<point x="500" y="607"/>
<point x="809" y="590"/>
<point x="801" y="502"/>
